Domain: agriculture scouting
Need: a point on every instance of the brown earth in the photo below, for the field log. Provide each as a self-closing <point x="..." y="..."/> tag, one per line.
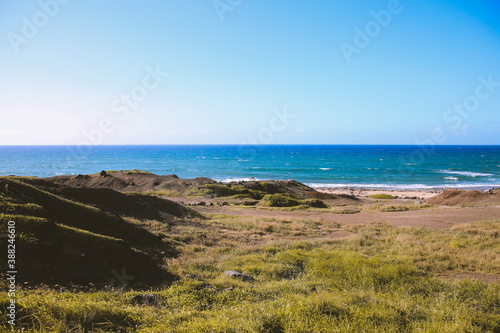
<point x="126" y="181"/>
<point x="456" y="197"/>
<point x="130" y="182"/>
<point x="436" y="218"/>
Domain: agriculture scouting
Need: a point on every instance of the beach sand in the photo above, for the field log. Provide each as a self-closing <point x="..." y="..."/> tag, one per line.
<point x="365" y="193"/>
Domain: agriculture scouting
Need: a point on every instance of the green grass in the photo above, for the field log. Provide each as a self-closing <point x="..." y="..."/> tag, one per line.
<point x="398" y="207"/>
<point x="385" y="279"/>
<point x="22" y="209"/>
<point x="280" y="200"/>
<point x="286" y="200"/>
<point x="382" y="196"/>
<point x="127" y="172"/>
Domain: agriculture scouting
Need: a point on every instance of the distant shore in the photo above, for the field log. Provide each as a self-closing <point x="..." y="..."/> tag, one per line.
<point x="400" y="193"/>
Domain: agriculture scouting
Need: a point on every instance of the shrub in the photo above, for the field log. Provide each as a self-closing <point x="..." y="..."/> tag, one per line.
<point x="280" y="200"/>
<point x="382" y="196"/>
<point x="316" y="203"/>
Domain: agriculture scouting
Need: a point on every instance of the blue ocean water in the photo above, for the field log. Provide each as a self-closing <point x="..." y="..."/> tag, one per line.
<point x="365" y="166"/>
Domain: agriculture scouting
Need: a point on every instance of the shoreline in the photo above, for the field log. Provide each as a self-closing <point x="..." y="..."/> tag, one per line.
<point x="365" y="193"/>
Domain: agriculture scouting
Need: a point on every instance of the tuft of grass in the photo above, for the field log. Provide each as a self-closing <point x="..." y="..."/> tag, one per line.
<point x="346" y="210"/>
<point x="382" y="196"/>
<point x="316" y="203"/>
<point x="279" y="200"/>
<point x="286" y="200"/>
<point x="399" y="208"/>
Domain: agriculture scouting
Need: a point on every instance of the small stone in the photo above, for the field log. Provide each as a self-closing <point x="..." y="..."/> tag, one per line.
<point x="146" y="299"/>
<point x="239" y="275"/>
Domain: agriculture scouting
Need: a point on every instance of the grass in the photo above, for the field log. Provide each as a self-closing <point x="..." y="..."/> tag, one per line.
<point x="127" y="172"/>
<point x="385" y="279"/>
<point x="286" y="200"/>
<point x="379" y="279"/>
<point x="346" y="210"/>
<point x="398" y="207"/>
<point x="382" y="196"/>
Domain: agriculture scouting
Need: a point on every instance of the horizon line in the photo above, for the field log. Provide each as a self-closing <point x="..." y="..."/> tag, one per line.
<point x="246" y="144"/>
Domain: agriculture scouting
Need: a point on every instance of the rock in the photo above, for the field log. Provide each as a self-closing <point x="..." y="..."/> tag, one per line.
<point x="146" y="299"/>
<point x="418" y="203"/>
<point x="103" y="173"/>
<point x="202" y="203"/>
<point x="208" y="285"/>
<point x="192" y="276"/>
<point x="224" y="204"/>
<point x="239" y="275"/>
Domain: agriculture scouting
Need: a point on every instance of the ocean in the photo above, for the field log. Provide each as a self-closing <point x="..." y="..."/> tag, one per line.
<point x="366" y="166"/>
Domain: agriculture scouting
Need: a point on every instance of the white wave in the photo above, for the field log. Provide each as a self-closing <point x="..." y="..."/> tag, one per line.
<point x="465" y="173"/>
<point x="370" y="186"/>
<point x="229" y="180"/>
<point x="325" y="169"/>
<point x="451" y="178"/>
<point x="404" y="186"/>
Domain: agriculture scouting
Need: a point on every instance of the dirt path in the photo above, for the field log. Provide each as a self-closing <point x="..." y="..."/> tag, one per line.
<point x="437" y="218"/>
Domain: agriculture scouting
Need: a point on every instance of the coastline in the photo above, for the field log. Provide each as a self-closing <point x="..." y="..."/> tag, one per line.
<point x="365" y="193"/>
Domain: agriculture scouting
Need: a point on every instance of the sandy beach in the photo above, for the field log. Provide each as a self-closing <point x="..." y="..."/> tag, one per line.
<point x="365" y="193"/>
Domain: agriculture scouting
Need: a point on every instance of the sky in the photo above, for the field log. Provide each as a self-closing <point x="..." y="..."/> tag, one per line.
<point x="240" y="71"/>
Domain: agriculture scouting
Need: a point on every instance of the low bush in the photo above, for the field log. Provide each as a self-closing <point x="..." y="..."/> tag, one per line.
<point x="382" y="196"/>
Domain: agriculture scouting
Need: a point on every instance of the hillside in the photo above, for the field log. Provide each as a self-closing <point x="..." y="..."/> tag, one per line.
<point x="62" y="239"/>
<point x="457" y="197"/>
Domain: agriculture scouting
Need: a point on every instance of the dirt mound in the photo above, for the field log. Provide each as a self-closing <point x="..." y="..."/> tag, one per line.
<point x="457" y="197"/>
<point x="143" y="182"/>
<point x="130" y="204"/>
<point x="338" y="198"/>
<point x="66" y="241"/>
<point x="127" y="181"/>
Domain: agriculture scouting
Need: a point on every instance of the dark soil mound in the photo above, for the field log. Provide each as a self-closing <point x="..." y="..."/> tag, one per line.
<point x="64" y="241"/>
<point x="130" y="204"/>
<point x="126" y="181"/>
<point x="338" y="198"/>
<point x="137" y="181"/>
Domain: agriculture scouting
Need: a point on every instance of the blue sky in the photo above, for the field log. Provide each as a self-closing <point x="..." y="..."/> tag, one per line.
<point x="428" y="73"/>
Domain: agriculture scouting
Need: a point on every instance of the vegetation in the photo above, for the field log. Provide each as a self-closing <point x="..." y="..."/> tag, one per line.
<point x="372" y="278"/>
<point x="287" y="200"/>
<point x="128" y="172"/>
<point x="385" y="279"/>
<point x="280" y="200"/>
<point x="399" y="208"/>
<point x="382" y="196"/>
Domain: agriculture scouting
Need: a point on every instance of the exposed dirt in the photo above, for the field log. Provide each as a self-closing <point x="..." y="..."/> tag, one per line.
<point x="471" y="276"/>
<point x="130" y="182"/>
<point x="456" y="197"/>
<point x="146" y="182"/>
<point x="437" y="218"/>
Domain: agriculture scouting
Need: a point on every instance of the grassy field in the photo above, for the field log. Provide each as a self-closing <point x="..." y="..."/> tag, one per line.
<point x="377" y="279"/>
